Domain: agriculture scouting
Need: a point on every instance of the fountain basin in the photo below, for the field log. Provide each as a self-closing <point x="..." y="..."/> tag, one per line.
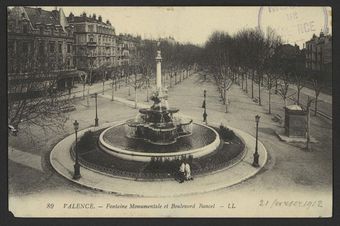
<point x="202" y="141"/>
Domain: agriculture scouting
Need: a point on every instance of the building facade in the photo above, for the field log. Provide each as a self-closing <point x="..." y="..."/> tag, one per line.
<point x="319" y="54"/>
<point x="128" y="49"/>
<point x="40" y="49"/>
<point x="95" y="42"/>
<point x="51" y="42"/>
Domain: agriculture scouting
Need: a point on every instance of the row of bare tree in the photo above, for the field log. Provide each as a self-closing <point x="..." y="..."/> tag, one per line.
<point x="32" y="89"/>
<point x="252" y="56"/>
<point x="177" y="64"/>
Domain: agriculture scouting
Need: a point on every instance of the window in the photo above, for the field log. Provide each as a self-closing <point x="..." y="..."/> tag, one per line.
<point x="25" y="28"/>
<point x="90" y="27"/>
<point x="25" y="47"/>
<point x="41" y="48"/>
<point x="11" y="48"/>
<point x="51" y="47"/>
<point x="68" y="63"/>
<point x="91" y="38"/>
<point x="41" y="30"/>
<point x="68" y="48"/>
<point x="60" y="47"/>
<point x="11" y="26"/>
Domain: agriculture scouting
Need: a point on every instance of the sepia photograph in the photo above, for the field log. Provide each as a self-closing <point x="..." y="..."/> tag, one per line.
<point x="169" y="111"/>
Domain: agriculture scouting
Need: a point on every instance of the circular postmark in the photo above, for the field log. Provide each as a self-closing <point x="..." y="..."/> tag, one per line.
<point x="294" y="24"/>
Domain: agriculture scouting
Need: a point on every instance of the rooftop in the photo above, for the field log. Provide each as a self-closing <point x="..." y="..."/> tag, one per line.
<point x="84" y="18"/>
<point x="40" y="16"/>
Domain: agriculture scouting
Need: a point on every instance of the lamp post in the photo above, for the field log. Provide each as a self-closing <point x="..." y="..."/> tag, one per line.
<point x="113" y="88"/>
<point x="256" y="154"/>
<point x="76" y="175"/>
<point x="205" y="108"/>
<point x="103" y="80"/>
<point x="96" y="119"/>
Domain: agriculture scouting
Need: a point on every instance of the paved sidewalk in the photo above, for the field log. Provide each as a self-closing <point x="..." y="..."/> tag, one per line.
<point x="62" y="162"/>
<point x="25" y="158"/>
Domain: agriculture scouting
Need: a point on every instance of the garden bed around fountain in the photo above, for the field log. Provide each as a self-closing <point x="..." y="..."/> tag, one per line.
<point x="94" y="158"/>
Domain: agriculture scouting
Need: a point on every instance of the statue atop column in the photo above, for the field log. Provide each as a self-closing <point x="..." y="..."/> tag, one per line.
<point x="159" y="96"/>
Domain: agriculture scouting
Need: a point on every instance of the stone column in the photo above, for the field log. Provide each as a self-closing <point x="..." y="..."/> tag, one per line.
<point x="159" y="70"/>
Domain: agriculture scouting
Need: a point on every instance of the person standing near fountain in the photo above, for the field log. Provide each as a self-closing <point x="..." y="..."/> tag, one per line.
<point x="187" y="171"/>
<point x="182" y="173"/>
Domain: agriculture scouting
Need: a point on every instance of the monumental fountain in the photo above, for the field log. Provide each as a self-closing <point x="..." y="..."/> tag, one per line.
<point x="151" y="146"/>
<point x="159" y="132"/>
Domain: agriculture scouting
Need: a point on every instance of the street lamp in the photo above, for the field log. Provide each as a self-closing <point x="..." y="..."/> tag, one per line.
<point x="204" y="104"/>
<point x="113" y="88"/>
<point x="96" y="119"/>
<point x="76" y="175"/>
<point x="256" y="154"/>
<point x="205" y="108"/>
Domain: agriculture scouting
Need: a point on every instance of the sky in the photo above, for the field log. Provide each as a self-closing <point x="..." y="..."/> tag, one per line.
<point x="195" y="24"/>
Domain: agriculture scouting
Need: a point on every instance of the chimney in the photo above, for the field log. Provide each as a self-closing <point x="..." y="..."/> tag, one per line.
<point x="39" y="11"/>
<point x="84" y="14"/>
<point x="100" y="18"/>
<point x="94" y="16"/>
<point x="321" y="34"/>
<point x="71" y="16"/>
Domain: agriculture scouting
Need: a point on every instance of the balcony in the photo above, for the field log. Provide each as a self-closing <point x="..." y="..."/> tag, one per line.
<point x="92" y="55"/>
<point x="92" y="44"/>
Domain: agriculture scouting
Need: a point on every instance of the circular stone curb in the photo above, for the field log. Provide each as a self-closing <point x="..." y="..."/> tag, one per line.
<point x="62" y="162"/>
<point x="147" y="157"/>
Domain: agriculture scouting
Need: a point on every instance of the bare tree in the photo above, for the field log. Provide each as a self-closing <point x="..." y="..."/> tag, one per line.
<point x="83" y="78"/>
<point x="299" y="81"/>
<point x="271" y="63"/>
<point x="227" y="83"/>
<point x="33" y="95"/>
<point x="283" y="88"/>
<point x="318" y="85"/>
<point x="136" y="82"/>
<point x="309" y="103"/>
<point x="300" y="75"/>
<point x="270" y="81"/>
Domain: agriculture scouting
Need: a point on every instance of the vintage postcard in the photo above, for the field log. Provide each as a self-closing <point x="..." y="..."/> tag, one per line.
<point x="169" y="111"/>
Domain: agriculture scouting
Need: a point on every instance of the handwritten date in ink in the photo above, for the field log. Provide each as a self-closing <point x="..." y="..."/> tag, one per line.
<point x="276" y="203"/>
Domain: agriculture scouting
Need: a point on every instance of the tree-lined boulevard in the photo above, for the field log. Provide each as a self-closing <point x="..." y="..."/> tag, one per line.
<point x="243" y="80"/>
<point x="287" y="161"/>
